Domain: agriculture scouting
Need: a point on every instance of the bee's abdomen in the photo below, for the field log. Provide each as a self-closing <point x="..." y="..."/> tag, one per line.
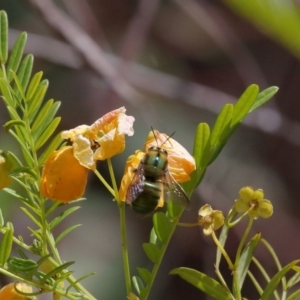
<point x="147" y="201"/>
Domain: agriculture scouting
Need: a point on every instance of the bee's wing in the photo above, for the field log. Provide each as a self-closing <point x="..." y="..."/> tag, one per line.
<point x="174" y="192"/>
<point x="136" y="186"/>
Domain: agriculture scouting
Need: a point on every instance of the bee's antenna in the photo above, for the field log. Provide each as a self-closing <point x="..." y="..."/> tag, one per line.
<point x="154" y="135"/>
<point x="168" y="138"/>
<point x="165" y="140"/>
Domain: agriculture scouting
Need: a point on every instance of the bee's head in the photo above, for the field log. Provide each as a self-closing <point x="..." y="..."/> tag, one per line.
<point x="157" y="150"/>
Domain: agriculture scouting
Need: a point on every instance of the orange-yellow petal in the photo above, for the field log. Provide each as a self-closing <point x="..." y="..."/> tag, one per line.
<point x="8" y="292"/>
<point x="64" y="178"/>
<point x="110" y="131"/>
<point x="132" y="164"/>
<point x="180" y="162"/>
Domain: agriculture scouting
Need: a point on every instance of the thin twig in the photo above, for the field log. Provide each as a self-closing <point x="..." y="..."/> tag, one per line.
<point x="92" y="52"/>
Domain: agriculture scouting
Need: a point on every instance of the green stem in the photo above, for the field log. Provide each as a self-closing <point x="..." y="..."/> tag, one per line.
<point x="110" y="189"/>
<point x="241" y="245"/>
<point x="188" y="224"/>
<point x="113" y="179"/>
<point x="124" y="247"/>
<point x="276" y="259"/>
<point x="255" y="283"/>
<point x="162" y="252"/>
<point x="222" y="281"/>
<point x="220" y="247"/>
<point x="73" y="282"/>
<point x="121" y="206"/>
<point x="232" y="213"/>
<point x="265" y="275"/>
<point x="236" y="285"/>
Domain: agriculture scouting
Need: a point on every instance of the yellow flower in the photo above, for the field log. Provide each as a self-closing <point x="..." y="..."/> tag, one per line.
<point x="8" y="292"/>
<point x="103" y="139"/>
<point x="63" y="178"/>
<point x="132" y="164"/>
<point x="180" y="162"/>
<point x="5" y="167"/>
<point x="252" y="201"/>
<point x="210" y="219"/>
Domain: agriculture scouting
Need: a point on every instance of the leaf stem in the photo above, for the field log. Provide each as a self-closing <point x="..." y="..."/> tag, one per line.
<point x="110" y="189"/>
<point x="162" y="252"/>
<point x="236" y="285"/>
<point x="125" y="247"/>
<point x="220" y="247"/>
<point x="121" y="206"/>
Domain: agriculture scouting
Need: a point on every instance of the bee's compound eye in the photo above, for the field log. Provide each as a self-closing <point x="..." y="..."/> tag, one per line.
<point x="153" y="148"/>
<point x="164" y="151"/>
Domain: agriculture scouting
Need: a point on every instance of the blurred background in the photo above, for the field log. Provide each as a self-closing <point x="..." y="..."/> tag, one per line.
<point x="172" y="64"/>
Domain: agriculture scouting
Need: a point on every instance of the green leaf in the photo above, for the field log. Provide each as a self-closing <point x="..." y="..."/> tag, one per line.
<point x="16" y="55"/>
<point x="144" y="292"/>
<point x="45" y="115"/>
<point x="138" y="284"/>
<point x="78" y="280"/>
<point x="201" y="146"/>
<point x="62" y="216"/>
<point x="246" y="258"/>
<point x="62" y="277"/>
<point x="204" y="283"/>
<point x="15" y="162"/>
<point x="222" y="126"/>
<point x="294" y="296"/>
<point x="19" y="88"/>
<point x="37" y="100"/>
<point x="15" y="194"/>
<point x="244" y="104"/>
<point x="25" y="149"/>
<point x="31" y="217"/>
<point x="43" y="120"/>
<point x="33" y="85"/>
<point x="24" y="72"/>
<point x="222" y="239"/>
<point x="57" y="270"/>
<point x="47" y="133"/>
<point x="55" y="143"/>
<point x="21" y="170"/>
<point x="152" y="251"/>
<point x="65" y="232"/>
<point x="224" y="234"/>
<point x="22" y="265"/>
<point x="174" y="209"/>
<point x="6" y="91"/>
<point x="145" y="274"/>
<point x="162" y="226"/>
<point x="6" y="246"/>
<point x="263" y="97"/>
<point x="7" y="126"/>
<point x="3" y="36"/>
<point x="13" y="114"/>
<point x="1" y="219"/>
<point x="153" y="238"/>
<point x="275" y="281"/>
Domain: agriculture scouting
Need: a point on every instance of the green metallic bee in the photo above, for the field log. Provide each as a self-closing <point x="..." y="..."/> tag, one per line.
<point x="153" y="182"/>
